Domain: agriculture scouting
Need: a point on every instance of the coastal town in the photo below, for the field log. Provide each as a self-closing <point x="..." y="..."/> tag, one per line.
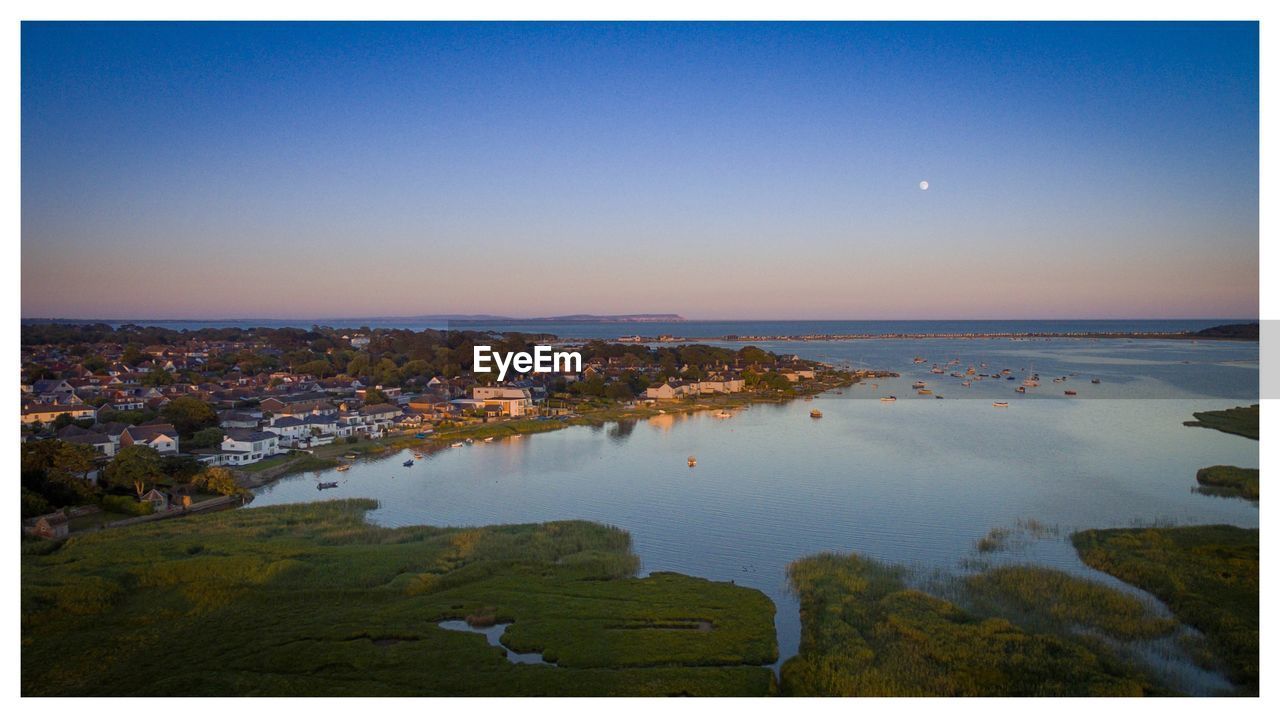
<point x="121" y="423"/>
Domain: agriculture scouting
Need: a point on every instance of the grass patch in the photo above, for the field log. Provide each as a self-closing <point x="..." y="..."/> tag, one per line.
<point x="1067" y="602"/>
<point x="865" y="633"/>
<point x="1229" y="481"/>
<point x="311" y="600"/>
<point x="1207" y="575"/>
<point x="1242" y="420"/>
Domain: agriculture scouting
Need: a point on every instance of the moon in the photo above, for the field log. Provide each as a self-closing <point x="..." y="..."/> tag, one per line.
<point x="924" y="184"/>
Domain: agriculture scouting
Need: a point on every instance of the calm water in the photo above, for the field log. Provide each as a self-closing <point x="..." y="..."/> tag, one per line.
<point x="915" y="482"/>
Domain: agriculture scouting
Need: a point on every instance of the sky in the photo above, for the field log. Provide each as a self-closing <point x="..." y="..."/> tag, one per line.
<point x="714" y="170"/>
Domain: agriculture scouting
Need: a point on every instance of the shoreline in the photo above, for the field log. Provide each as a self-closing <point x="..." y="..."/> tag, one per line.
<point x="328" y="458"/>
<point x="1014" y="336"/>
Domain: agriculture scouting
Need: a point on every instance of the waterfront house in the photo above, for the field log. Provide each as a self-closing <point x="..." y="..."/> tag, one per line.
<point x="245" y="446"/>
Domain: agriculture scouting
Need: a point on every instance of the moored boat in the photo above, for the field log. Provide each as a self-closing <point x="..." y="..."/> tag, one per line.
<point x="1000" y="404"/>
<point x="409" y="462"/>
<point x="344" y="467"/>
<point x="815" y="414"/>
<point x="888" y="398"/>
<point x="693" y="461"/>
<point x="1070" y="392"/>
<point x="321" y="486"/>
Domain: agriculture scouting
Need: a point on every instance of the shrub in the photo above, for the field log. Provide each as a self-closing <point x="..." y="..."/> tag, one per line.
<point x="126" y="505"/>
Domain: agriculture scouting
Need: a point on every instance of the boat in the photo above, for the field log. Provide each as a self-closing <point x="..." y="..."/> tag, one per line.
<point x="918" y="385"/>
<point x="351" y="456"/>
<point x="815" y="414"/>
<point x="488" y="439"/>
<point x="937" y="370"/>
<point x="409" y="462"/>
<point x="939" y="396"/>
<point x="1070" y="392"/>
<point x="344" y="467"/>
<point x="1021" y="390"/>
<point x="966" y="383"/>
<point x="924" y="392"/>
<point x="693" y="461"/>
<point x="456" y="444"/>
<point x="889" y="398"/>
<point x="321" y="486"/>
<point x="417" y="455"/>
<point x="1095" y="381"/>
<point x="722" y="414"/>
<point x="1000" y="404"/>
<point x="468" y="442"/>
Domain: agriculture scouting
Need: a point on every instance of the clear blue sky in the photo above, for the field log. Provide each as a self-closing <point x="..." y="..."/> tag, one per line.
<point x="714" y="170"/>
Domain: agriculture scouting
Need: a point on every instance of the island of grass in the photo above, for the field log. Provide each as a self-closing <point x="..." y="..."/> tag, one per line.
<point x="311" y="600"/>
<point x="1229" y="481"/>
<point x="1241" y="420"/>
<point x="866" y="633"/>
<point x="1207" y="575"/>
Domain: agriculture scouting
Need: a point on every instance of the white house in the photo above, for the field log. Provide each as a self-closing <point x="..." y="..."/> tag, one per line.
<point x="245" y="446"/>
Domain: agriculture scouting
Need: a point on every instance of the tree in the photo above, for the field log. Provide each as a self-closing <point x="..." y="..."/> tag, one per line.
<point x="71" y="462"/>
<point x="206" y="438"/>
<point x="134" y="467"/>
<point x="375" y="396"/>
<point x="132" y="354"/>
<point x="217" y="480"/>
<point x="157" y="377"/>
<point x="189" y="415"/>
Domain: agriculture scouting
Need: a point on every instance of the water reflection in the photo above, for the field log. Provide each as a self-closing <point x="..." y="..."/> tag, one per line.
<point x="916" y="482"/>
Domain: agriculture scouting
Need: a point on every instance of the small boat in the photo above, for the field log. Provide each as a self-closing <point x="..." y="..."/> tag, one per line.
<point x="722" y="414"/>
<point x="488" y="439"/>
<point x="468" y="442"/>
<point x="344" y="467"/>
<point x="1095" y="381"/>
<point x="888" y="398"/>
<point x="939" y="396"/>
<point x="1000" y="404"/>
<point x="924" y="392"/>
<point x="815" y="414"/>
<point x="1021" y="390"/>
<point x="1070" y="392"/>
<point x="409" y="462"/>
<point x="456" y="444"/>
<point x="966" y="383"/>
<point x="917" y="385"/>
<point x="420" y="435"/>
<point x="417" y="455"/>
<point x="351" y="456"/>
<point x="693" y="461"/>
<point x="321" y="486"/>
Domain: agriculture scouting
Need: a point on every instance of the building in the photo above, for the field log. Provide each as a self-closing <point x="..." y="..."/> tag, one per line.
<point x="45" y="413"/>
<point x="509" y="400"/>
<point x="245" y="446"/>
<point x="158" y="500"/>
<point x="161" y="437"/>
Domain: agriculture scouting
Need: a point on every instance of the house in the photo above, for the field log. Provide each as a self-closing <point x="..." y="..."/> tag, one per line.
<point x="287" y="406"/>
<point x="509" y="400"/>
<point x="237" y="420"/>
<point x="159" y="501"/>
<point x="101" y="443"/>
<point x="45" y="413"/>
<point x="669" y="390"/>
<point x="161" y="437"/>
<point x="53" y="391"/>
<point x="721" y="386"/>
<point x="245" y="446"/>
